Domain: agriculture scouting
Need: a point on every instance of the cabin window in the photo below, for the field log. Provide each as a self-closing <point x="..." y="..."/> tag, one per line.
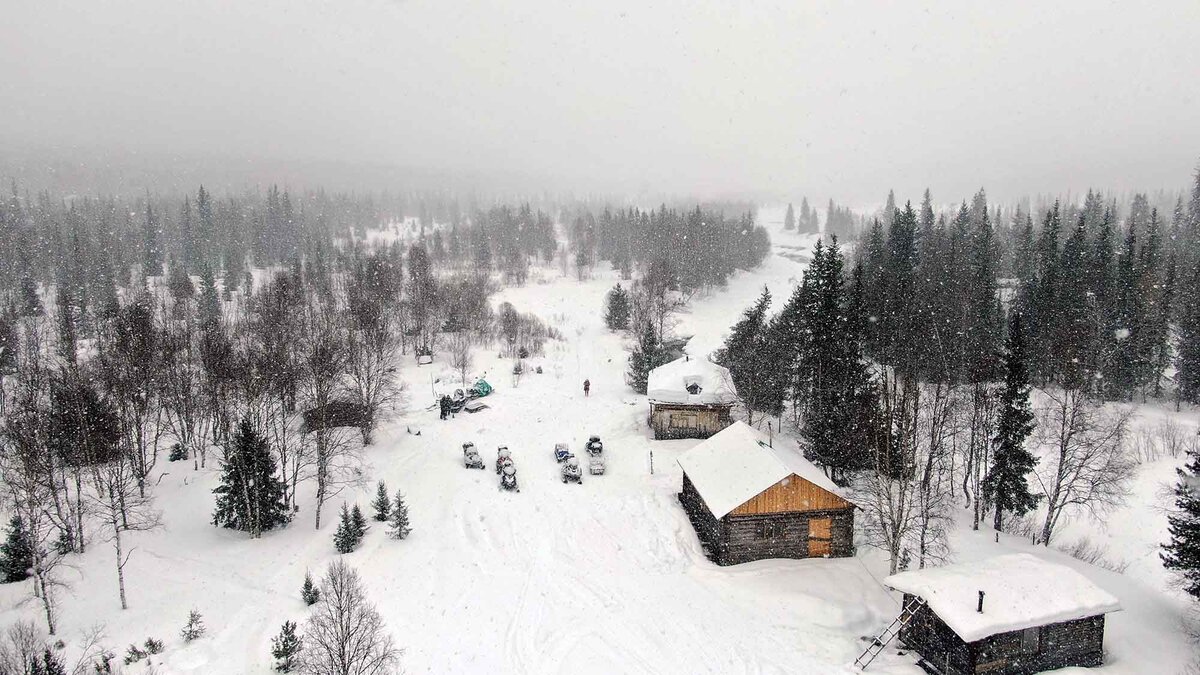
<point x="694" y="388"/>
<point x="1031" y="640"/>
<point x="684" y="421"/>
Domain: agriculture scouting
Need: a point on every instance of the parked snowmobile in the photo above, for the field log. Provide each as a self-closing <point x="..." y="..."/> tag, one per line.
<point x="503" y="457"/>
<point x="571" y="471"/>
<point x="596" y="465"/>
<point x="594" y="446"/>
<point x="562" y="453"/>
<point x="508" y="477"/>
<point x="471" y="458"/>
<point x="458" y="400"/>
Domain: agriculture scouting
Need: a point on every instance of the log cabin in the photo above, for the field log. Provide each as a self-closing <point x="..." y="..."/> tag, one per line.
<point x="1007" y="615"/>
<point x="689" y="398"/>
<point x="749" y="501"/>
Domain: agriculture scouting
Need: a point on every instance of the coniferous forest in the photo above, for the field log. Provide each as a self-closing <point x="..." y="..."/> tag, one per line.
<point x="907" y="366"/>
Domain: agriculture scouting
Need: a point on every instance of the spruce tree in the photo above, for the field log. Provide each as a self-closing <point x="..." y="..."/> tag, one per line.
<point x="194" y="628"/>
<point x="1006" y="484"/>
<point x="345" y="539"/>
<point x="739" y="353"/>
<point x="1187" y="361"/>
<point x="789" y="220"/>
<point x="16" y="553"/>
<point x="834" y="382"/>
<point x="210" y="300"/>
<point x="9" y="343"/>
<point x="759" y="357"/>
<point x="151" y="254"/>
<point x="645" y="356"/>
<point x="250" y="498"/>
<point x="31" y="302"/>
<point x="616" y="310"/>
<point x="359" y="521"/>
<point x="382" y="503"/>
<point x="1182" y="552"/>
<point x="399" y="526"/>
<point x="179" y="283"/>
<point x="47" y="664"/>
<point x="309" y="592"/>
<point x="286" y="647"/>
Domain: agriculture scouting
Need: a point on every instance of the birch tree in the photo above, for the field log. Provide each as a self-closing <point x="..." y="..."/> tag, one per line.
<point x="121" y="504"/>
<point x="323" y="367"/>
<point x="1087" y="466"/>
<point x="346" y="635"/>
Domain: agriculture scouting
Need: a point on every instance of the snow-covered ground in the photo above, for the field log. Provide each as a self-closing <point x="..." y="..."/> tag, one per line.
<point x="603" y="577"/>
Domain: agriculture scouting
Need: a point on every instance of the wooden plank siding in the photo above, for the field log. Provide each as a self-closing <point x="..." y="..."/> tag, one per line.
<point x="785" y="535"/>
<point x="1077" y="643"/>
<point x="791" y="494"/>
<point x="677" y="420"/>
<point x="736" y="539"/>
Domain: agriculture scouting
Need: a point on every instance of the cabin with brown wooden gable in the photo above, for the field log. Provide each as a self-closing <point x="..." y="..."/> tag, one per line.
<point x="689" y="398"/>
<point x="749" y="501"/>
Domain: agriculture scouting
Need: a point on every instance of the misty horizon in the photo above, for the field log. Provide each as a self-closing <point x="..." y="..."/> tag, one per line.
<point x="824" y="99"/>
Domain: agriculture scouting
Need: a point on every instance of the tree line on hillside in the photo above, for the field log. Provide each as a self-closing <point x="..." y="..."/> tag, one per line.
<point x="694" y="248"/>
<point x="902" y="384"/>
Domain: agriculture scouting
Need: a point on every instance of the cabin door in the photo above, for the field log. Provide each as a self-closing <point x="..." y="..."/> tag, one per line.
<point x="820" y="537"/>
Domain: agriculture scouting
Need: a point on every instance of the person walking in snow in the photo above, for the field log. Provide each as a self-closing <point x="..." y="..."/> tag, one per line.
<point x="587" y="387"/>
<point x="444" y="404"/>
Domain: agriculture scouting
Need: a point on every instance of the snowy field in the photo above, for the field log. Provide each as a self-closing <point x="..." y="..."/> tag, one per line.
<point x="604" y="577"/>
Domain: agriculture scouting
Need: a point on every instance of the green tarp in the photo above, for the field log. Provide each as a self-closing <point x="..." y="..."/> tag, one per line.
<point x="482" y="388"/>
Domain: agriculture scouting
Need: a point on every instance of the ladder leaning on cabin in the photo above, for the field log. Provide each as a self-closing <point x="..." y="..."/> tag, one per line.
<point x="889" y="633"/>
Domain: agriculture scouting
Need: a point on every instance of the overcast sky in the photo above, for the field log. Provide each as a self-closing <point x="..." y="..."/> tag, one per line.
<point x="842" y="99"/>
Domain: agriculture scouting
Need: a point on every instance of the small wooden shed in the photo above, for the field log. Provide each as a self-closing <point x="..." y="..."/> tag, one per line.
<point x="748" y="501"/>
<point x="1007" y="615"/>
<point x="689" y="398"/>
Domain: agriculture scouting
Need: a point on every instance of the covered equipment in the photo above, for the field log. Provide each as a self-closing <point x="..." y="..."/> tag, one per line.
<point x="471" y="458"/>
<point x="571" y="473"/>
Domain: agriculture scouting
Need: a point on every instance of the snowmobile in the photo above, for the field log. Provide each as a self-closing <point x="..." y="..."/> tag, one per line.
<point x="571" y="471"/>
<point x="503" y="457"/>
<point x="457" y="401"/>
<point x="596" y="465"/>
<point x="471" y="458"/>
<point x="594" y="446"/>
<point x="508" y="477"/>
<point x="562" y="453"/>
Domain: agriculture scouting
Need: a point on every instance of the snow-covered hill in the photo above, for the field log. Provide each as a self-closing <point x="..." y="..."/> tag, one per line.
<point x="603" y="577"/>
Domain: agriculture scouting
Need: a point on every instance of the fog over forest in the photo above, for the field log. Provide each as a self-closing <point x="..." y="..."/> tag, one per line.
<point x="838" y="100"/>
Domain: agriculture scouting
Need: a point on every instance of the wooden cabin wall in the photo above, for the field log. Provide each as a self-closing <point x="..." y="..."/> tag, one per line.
<point x="707" y="527"/>
<point x="791" y="494"/>
<point x="709" y="420"/>
<point x="1078" y="643"/>
<point x="782" y="535"/>
<point x="926" y="634"/>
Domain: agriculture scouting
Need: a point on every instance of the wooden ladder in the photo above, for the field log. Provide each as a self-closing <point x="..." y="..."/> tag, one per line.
<point x="883" y="639"/>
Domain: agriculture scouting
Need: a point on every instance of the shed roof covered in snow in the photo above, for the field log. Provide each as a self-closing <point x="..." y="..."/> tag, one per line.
<point x="690" y="381"/>
<point x="1020" y="591"/>
<point x="736" y="465"/>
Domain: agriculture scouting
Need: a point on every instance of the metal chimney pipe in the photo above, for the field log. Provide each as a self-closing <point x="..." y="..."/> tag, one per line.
<point x="980" y="607"/>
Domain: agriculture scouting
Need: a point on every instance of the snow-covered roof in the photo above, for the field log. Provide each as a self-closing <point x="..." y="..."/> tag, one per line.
<point x="1020" y="591"/>
<point x="735" y="465"/>
<point x="669" y="383"/>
